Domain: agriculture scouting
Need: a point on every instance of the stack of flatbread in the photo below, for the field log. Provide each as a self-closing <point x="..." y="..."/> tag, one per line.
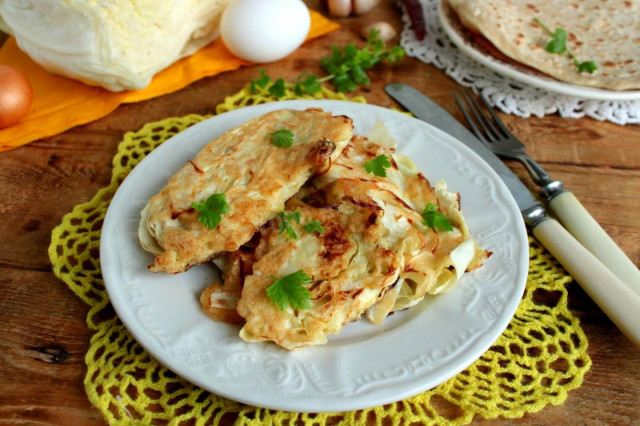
<point x="606" y="32"/>
<point x="372" y="254"/>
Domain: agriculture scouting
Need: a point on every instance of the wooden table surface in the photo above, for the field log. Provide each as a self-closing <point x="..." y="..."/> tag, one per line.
<point x="43" y="335"/>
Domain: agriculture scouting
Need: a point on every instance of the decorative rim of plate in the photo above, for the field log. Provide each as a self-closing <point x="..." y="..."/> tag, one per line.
<point x="163" y="315"/>
<point x="521" y="74"/>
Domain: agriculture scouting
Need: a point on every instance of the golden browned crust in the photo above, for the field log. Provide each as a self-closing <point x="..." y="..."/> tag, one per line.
<point x="219" y="301"/>
<point x="374" y="257"/>
<point x="349" y="263"/>
<point x="606" y="32"/>
<point x="256" y="177"/>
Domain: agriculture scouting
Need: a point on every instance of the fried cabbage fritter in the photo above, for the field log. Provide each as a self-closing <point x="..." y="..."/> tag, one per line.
<point x="375" y="256"/>
<point x="256" y="177"/>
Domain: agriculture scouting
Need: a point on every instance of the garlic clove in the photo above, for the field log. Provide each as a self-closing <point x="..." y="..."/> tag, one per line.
<point x="385" y="31"/>
<point x="339" y="8"/>
<point x="363" y="6"/>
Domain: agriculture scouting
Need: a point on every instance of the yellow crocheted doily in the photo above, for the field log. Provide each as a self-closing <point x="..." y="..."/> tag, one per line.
<point x="537" y="360"/>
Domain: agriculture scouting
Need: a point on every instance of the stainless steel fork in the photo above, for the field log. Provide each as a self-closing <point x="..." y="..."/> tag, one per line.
<point x="490" y="130"/>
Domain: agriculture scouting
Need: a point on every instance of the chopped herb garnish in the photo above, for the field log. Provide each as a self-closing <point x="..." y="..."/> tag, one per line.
<point x="290" y="291"/>
<point x="558" y="45"/>
<point x="307" y="84"/>
<point x="378" y="165"/>
<point x="277" y="89"/>
<point x="284" y="224"/>
<point x="313" y="226"/>
<point x="262" y="82"/>
<point x="211" y="210"/>
<point x="432" y="218"/>
<point x="588" y="66"/>
<point x="282" y="138"/>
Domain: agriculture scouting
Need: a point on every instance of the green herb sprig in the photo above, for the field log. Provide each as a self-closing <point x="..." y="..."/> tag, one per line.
<point x="282" y="138"/>
<point x="211" y="210"/>
<point x="558" y="45"/>
<point x="346" y="68"/>
<point x="378" y="165"/>
<point x="313" y="226"/>
<point x="432" y="218"/>
<point x="290" y="291"/>
<point x="263" y="81"/>
<point x="284" y="224"/>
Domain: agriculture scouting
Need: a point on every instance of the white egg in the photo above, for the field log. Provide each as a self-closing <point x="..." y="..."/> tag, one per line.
<point x="264" y="30"/>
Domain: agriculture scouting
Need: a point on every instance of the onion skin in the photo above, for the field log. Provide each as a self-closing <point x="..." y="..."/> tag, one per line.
<point x="16" y="96"/>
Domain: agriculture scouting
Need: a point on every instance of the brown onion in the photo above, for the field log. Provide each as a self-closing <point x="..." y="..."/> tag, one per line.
<point x="15" y="96"/>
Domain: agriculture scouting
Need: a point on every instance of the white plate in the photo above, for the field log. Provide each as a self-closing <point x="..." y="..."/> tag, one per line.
<point x="455" y="32"/>
<point x="365" y="365"/>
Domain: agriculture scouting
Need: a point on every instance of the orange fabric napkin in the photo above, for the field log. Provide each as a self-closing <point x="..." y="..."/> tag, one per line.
<point x="60" y="103"/>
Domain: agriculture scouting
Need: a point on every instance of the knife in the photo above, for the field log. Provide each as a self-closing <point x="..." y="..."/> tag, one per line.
<point x="615" y="299"/>
<point x="566" y="207"/>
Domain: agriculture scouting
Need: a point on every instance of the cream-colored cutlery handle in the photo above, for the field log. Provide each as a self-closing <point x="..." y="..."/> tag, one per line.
<point x="617" y="300"/>
<point x="584" y="227"/>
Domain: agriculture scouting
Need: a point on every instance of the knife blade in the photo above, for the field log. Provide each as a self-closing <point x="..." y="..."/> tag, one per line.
<point x="615" y="299"/>
<point x="429" y="111"/>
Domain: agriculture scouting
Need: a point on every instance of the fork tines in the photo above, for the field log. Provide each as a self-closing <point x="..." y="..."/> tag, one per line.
<point x="492" y="128"/>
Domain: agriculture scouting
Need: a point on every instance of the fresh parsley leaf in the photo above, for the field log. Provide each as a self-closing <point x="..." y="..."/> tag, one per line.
<point x="344" y="83"/>
<point x="378" y="165"/>
<point x="295" y="216"/>
<point x="588" y="66"/>
<point x="282" y="138"/>
<point x="211" y="210"/>
<point x="262" y="82"/>
<point x="313" y="226"/>
<point x="335" y="57"/>
<point x="290" y="291"/>
<point x="346" y="69"/>
<point x="395" y="54"/>
<point x="284" y="224"/>
<point x="373" y="38"/>
<point x="308" y="84"/>
<point x="367" y="59"/>
<point x="359" y="76"/>
<point x="350" y="52"/>
<point x="432" y="218"/>
<point x="277" y="89"/>
<point x="558" y="45"/>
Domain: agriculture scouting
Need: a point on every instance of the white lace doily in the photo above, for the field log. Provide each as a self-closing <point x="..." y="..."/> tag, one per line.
<point x="508" y="95"/>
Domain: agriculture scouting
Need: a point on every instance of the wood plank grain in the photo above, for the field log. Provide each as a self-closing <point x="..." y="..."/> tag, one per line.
<point x="44" y="340"/>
